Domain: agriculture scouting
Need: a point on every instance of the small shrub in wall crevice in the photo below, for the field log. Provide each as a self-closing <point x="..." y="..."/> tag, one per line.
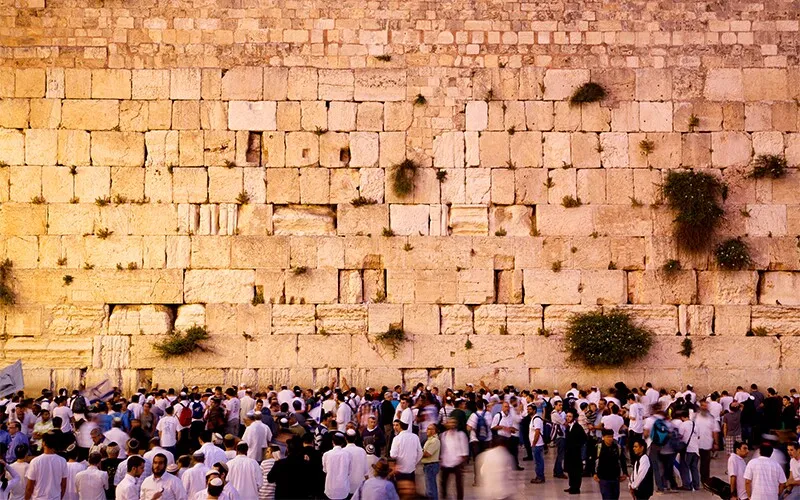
<point x="393" y="338"/>
<point x="772" y="166"/>
<point x="588" y="92"/>
<point x="180" y="344"/>
<point x="403" y="175"/>
<point x="606" y="340"/>
<point x="694" y="196"/>
<point x="732" y="254"/>
<point x="686" y="347"/>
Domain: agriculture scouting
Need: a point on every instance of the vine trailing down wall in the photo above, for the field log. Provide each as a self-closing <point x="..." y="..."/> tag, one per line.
<point x="224" y="192"/>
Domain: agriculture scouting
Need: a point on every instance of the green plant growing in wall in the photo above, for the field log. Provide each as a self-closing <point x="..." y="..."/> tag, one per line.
<point x="758" y="331"/>
<point x="732" y="254"/>
<point x="694" y="122"/>
<point x="686" y="347"/>
<point x="384" y="57"/>
<point x="180" y="344"/>
<point x="387" y="232"/>
<point x="102" y="201"/>
<point x="68" y="279"/>
<point x="771" y="166"/>
<point x="646" y="146"/>
<point x="243" y="198"/>
<point x="403" y="175"/>
<point x="693" y="196"/>
<point x="468" y="345"/>
<point x="103" y="233"/>
<point x="571" y="202"/>
<point x="420" y="100"/>
<point x="588" y="92"/>
<point x="360" y="201"/>
<point x="7" y="296"/>
<point x="605" y="340"/>
<point x="38" y="200"/>
<point x="393" y="338"/>
<point x="258" y="295"/>
<point x="671" y="267"/>
<point x="441" y="175"/>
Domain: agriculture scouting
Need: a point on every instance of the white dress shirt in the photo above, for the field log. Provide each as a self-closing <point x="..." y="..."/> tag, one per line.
<point x="358" y="465"/>
<point x="150" y="455"/>
<point x="407" y="451"/>
<point x="170" y="485"/>
<point x="73" y="468"/>
<point x="213" y="454"/>
<point x="128" y="489"/>
<point x="344" y="414"/>
<point x="120" y="437"/>
<point x="336" y="464"/>
<point x="92" y="483"/>
<point x="194" y="479"/>
<point x="256" y="438"/>
<point x="244" y="474"/>
<point x="636" y="413"/>
<point x="122" y="471"/>
<point x="765" y="475"/>
<point x="736" y="467"/>
<point x="454" y="448"/>
<point x="640" y="469"/>
<point x="504" y="420"/>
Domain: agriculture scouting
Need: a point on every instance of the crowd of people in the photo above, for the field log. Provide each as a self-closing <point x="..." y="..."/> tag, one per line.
<point x="339" y="442"/>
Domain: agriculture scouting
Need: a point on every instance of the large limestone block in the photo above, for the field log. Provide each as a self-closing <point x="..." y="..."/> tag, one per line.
<point x="214" y="286"/>
<point x="730" y="149"/>
<point x="363" y="220"/>
<point x="270" y="252"/>
<point x="24" y="321"/>
<point x="77" y="219"/>
<point x="766" y="220"/>
<point x="777" y="320"/>
<point x="490" y="319"/>
<point x="696" y="320"/>
<point x="409" y="219"/>
<point x="291" y="319"/>
<point x="302" y="149"/>
<point x="657" y="287"/>
<point x="341" y="319"/>
<point x="302" y="83"/>
<point x="421" y="319"/>
<point x="545" y="352"/>
<point x="22" y="219"/>
<point x="475" y="286"/>
<point x="515" y="220"/>
<point x="766" y="84"/>
<point x="324" y="350"/>
<point x="724" y="84"/>
<point x="369" y="352"/>
<point x="530" y="185"/>
<point x="123" y="149"/>
<point x="313" y="286"/>
<point x="448" y="150"/>
<point x="728" y="287"/>
<point x="617" y="220"/>
<point x="603" y="287"/>
<point x="185" y="83"/>
<point x="70" y="319"/>
<point x="89" y="115"/>
<point x="780" y="288"/>
<point x="190" y="315"/>
<point x="381" y="317"/>
<point x="304" y="220"/>
<point x="230" y="348"/>
<point x="243" y="83"/>
<point x="336" y="84"/>
<point x="555" y="220"/>
<point x="735" y="320"/>
<point x="380" y="84"/>
<point x="456" y="320"/>
<point x="549" y="287"/>
<point x="252" y="115"/>
<point x="272" y="351"/>
<point x="112" y="351"/>
<point x="523" y="319"/>
<point x="150" y="84"/>
<point x="720" y="353"/>
<point x="494" y="376"/>
<point x="559" y="84"/>
<point x="490" y="351"/>
<point x="65" y="352"/>
<point x="12" y="147"/>
<point x="140" y="319"/>
<point x="14" y="113"/>
<point x="655" y="116"/>
<point x="334" y="150"/>
<point x="467" y="220"/>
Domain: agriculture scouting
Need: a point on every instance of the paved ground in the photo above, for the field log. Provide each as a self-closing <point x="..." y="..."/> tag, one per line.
<point x="554" y="488"/>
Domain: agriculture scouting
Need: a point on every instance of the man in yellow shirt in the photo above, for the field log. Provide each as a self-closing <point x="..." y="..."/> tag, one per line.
<point x="430" y="462"/>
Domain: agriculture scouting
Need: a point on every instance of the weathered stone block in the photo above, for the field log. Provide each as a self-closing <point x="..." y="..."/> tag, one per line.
<point x="303" y="220"/>
<point x="252" y="115"/>
<point x="728" y="287"/>
<point x="380" y="84"/>
<point x="213" y="286"/>
<point x="549" y="287"/>
<point x="123" y="149"/>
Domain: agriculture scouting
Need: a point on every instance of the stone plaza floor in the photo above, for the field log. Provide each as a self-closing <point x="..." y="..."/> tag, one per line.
<point x="554" y="488"/>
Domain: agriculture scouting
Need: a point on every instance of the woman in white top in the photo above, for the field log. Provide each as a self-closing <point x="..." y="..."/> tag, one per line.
<point x="6" y="484"/>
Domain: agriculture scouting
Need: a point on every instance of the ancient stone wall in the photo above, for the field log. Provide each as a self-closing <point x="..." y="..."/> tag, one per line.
<point x="180" y="160"/>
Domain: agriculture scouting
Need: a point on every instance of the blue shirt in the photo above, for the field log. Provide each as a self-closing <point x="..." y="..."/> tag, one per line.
<point x="16" y="440"/>
<point x="376" y="488"/>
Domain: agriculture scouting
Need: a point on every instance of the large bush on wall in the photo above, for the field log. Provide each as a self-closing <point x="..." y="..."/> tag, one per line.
<point x="694" y="196"/>
<point x="607" y="340"/>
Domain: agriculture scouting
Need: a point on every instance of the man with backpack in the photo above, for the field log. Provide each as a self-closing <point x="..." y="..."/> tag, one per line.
<point x="611" y="466"/>
<point x="480" y="435"/>
<point x="690" y="453"/>
<point x="197" y="424"/>
<point x="559" y="419"/>
<point x="537" y="432"/>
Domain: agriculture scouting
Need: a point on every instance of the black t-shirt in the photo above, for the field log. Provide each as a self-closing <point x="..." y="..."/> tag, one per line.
<point x="110" y="465"/>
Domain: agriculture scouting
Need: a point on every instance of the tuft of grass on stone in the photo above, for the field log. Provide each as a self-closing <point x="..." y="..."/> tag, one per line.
<point x="68" y="280"/>
<point x="646" y="146"/>
<point x="500" y="232"/>
<point x="102" y="201"/>
<point x="299" y="270"/>
<point x="132" y="266"/>
<point x="103" y="233"/>
<point x="62" y="261"/>
<point x="588" y="92"/>
<point x="38" y="200"/>
<point x="694" y="122"/>
<point x="387" y="232"/>
<point x="694" y="197"/>
<point x="441" y="175"/>
<point x="243" y="198"/>
<point x="556" y="266"/>
<point x="420" y="100"/>
<point x="732" y="255"/>
<point x="687" y="348"/>
<point x="7" y="296"/>
<point x="360" y="201"/>
<point x="384" y="57"/>
<point x="571" y="202"/>
<point x="393" y="338"/>
<point x="403" y="176"/>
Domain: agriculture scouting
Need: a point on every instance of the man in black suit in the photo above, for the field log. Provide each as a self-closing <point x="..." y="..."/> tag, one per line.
<point x="575" y="439"/>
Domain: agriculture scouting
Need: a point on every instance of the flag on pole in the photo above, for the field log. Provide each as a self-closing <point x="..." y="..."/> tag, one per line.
<point x="11" y="379"/>
<point x="99" y="392"/>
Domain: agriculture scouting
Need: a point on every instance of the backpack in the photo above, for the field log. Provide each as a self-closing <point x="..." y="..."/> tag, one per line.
<point x="661" y="433"/>
<point x="197" y="410"/>
<point x="185" y="416"/>
<point x="79" y="405"/>
<point x="482" y="429"/>
<point x="547" y="430"/>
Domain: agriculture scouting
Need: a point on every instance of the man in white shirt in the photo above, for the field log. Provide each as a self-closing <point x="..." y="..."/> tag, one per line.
<point x="117" y="435"/>
<point x="573" y="392"/>
<point x="651" y="398"/>
<point x="741" y="395"/>
<point x="764" y="477"/>
<point x="736" y="467"/>
<point x="194" y="478"/>
<point x="636" y="414"/>
<point x="128" y="488"/>
<point x="246" y="404"/>
<point x="406" y="450"/>
<point x="92" y="483"/>
<point x="162" y="482"/>
<point x="285" y="395"/>
<point x="454" y="452"/>
<point x="135" y="407"/>
<point x="63" y="411"/>
<point x="793" y="481"/>
<point x="336" y="463"/>
<point x="690" y="475"/>
<point x="613" y="422"/>
<point x="232" y="411"/>
<point x="47" y="473"/>
<point x="168" y="430"/>
<point x="506" y="424"/>
<point x="255" y="435"/>
<point x="404" y="412"/>
<point x="344" y="413"/>
<point x="244" y="473"/>
<point x="155" y="448"/>
<point x="707" y="429"/>
<point x="212" y="452"/>
<point x="359" y="470"/>
<point x="133" y="448"/>
<point x="536" y="436"/>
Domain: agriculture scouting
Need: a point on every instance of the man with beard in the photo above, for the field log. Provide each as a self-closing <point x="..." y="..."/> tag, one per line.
<point x="161" y="481"/>
<point x="575" y="439"/>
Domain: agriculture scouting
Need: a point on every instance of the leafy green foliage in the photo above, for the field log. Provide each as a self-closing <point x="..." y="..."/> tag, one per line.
<point x="403" y="175"/>
<point x="360" y="201"/>
<point x="570" y="202"/>
<point x="606" y="340"/>
<point x="588" y="92"/>
<point x="420" y="100"/>
<point x="7" y="296"/>
<point x="694" y="196"/>
<point x="243" y="198"/>
<point x="772" y="166"/>
<point x="686" y="347"/>
<point x="393" y="338"/>
<point x="732" y="254"/>
<point x="179" y="344"/>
